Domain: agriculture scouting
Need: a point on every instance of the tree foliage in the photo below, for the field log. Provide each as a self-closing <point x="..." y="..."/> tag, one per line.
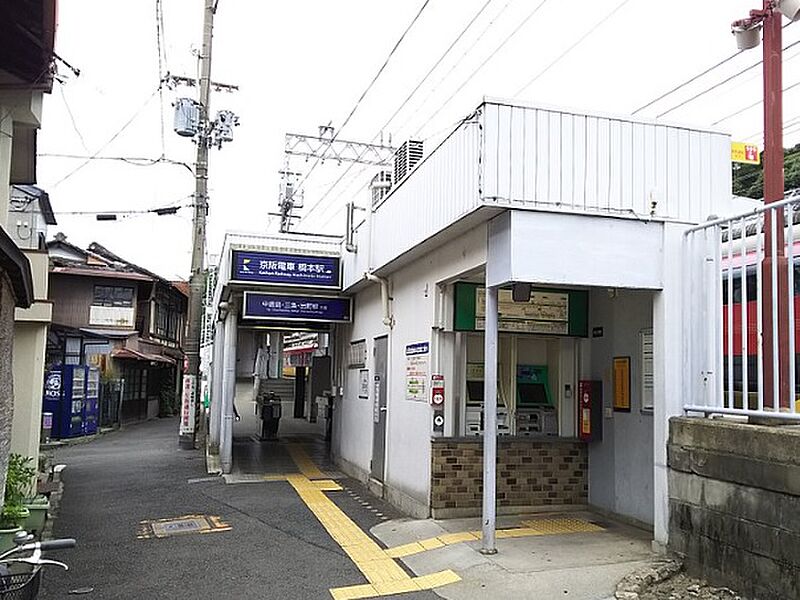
<point x="748" y="180"/>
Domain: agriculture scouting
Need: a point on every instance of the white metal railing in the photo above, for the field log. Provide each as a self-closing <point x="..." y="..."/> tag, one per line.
<point x="740" y="313"/>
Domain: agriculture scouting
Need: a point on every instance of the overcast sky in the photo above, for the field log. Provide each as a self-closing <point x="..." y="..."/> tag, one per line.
<point x="303" y="63"/>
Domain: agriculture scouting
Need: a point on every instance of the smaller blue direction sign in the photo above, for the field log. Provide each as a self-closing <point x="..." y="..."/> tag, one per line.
<point x="286" y="269"/>
<point x="280" y="307"/>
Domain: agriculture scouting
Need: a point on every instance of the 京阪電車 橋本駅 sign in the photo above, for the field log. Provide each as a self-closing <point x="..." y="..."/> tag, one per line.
<point x="283" y="307"/>
<point x="286" y="269"/>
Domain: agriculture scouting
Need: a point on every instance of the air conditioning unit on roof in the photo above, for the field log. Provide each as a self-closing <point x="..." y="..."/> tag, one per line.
<point x="406" y="158"/>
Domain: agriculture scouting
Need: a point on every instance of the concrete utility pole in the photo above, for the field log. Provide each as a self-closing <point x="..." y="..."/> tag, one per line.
<point x="197" y="280"/>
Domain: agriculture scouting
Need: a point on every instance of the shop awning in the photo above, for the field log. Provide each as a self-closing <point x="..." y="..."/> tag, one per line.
<point x="134" y="355"/>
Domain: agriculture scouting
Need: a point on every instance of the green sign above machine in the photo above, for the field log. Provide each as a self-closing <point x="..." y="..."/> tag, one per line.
<point x="547" y="312"/>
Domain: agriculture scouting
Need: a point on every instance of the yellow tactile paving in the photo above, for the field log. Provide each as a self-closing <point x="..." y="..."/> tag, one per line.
<point x="562" y="525"/>
<point x="532" y="528"/>
<point x="384" y="575"/>
<point x="304" y="462"/>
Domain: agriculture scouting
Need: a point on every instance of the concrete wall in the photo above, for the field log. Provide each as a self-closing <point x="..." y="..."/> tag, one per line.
<point x="416" y="306"/>
<point x="7" y="302"/>
<point x="734" y="504"/>
<point x="621" y="465"/>
<point x="531" y="475"/>
<point x="30" y="340"/>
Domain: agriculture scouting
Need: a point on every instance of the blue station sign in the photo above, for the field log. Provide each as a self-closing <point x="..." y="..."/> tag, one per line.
<point x="286" y="269"/>
<point x="282" y="307"/>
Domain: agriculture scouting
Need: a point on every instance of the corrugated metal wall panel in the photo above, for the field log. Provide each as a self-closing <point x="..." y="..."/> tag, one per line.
<point x="573" y="162"/>
<point x="442" y="189"/>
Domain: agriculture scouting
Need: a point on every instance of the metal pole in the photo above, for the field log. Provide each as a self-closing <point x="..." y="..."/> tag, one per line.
<point x="490" y="422"/>
<point x="217" y="391"/>
<point x="228" y="389"/>
<point x="776" y="357"/>
<point x="197" y="279"/>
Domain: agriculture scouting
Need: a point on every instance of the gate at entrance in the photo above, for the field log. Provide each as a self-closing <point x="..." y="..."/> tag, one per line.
<point x="379" y="416"/>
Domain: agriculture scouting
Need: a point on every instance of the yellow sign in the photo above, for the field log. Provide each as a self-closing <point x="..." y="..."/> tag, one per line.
<point x="745" y="153"/>
<point x="622" y="383"/>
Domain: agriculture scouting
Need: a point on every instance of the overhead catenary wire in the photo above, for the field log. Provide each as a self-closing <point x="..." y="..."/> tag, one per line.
<point x="577" y="43"/>
<point x="480" y="67"/>
<point x="455" y="65"/>
<point x="365" y="92"/>
<point x="719" y="84"/>
<point x="692" y="79"/>
<point x="753" y="105"/>
<point x="406" y="100"/>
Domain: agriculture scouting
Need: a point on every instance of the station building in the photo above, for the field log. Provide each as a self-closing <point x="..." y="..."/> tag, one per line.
<point x="577" y="221"/>
<point x="572" y="225"/>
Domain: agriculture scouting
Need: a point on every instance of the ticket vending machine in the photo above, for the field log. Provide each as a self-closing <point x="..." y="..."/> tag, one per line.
<point x="536" y="414"/>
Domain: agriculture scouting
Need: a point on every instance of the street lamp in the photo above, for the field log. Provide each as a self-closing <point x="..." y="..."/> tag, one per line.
<point x="747" y="32"/>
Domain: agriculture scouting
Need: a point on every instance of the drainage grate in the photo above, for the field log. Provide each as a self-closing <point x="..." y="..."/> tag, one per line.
<point x="161" y="528"/>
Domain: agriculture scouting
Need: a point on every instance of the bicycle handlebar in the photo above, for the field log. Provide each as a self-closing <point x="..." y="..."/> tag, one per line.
<point x="57" y="544"/>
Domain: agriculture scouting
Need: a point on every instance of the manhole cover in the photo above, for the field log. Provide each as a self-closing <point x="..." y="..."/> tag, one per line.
<point x="161" y="528"/>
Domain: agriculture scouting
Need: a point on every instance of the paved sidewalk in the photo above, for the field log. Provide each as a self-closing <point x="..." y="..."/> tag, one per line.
<point x="540" y="557"/>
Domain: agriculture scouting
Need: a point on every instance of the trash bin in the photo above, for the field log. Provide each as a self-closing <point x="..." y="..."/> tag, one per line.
<point x="270" y="416"/>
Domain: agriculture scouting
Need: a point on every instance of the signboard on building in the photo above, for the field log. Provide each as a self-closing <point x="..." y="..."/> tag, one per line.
<point x="745" y="153"/>
<point x="188" y="400"/>
<point x="547" y="312"/>
<point x="417" y="371"/>
<point x="301" y="270"/>
<point x="286" y="307"/>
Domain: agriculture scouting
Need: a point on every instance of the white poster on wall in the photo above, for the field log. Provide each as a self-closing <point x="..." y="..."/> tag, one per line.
<point x="417" y="359"/>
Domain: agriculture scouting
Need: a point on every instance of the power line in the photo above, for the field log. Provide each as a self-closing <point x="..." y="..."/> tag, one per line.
<point x="455" y="65"/>
<point x="691" y="80"/>
<point x="133" y="160"/>
<point x="753" y="105"/>
<point x="484" y="63"/>
<point x="72" y="118"/>
<point x="721" y="83"/>
<point x="580" y="40"/>
<point x="404" y="102"/>
<point x="109" y="141"/>
<point x="366" y="90"/>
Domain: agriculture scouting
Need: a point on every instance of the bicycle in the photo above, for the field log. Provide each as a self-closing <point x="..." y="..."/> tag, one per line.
<point x="21" y="566"/>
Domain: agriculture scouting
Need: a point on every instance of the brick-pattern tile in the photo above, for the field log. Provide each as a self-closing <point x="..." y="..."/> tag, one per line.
<point x="529" y="473"/>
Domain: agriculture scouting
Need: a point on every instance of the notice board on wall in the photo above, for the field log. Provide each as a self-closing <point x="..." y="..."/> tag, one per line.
<point x="417" y="365"/>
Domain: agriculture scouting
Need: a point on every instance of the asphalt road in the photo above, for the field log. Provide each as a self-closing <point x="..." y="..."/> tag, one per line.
<point x="276" y="548"/>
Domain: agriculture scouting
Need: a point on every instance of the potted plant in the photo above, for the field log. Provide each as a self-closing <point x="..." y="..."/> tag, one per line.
<point x="19" y="477"/>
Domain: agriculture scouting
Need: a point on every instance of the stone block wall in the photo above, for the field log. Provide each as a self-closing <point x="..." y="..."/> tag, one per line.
<point x="530" y="473"/>
<point x="734" y="504"/>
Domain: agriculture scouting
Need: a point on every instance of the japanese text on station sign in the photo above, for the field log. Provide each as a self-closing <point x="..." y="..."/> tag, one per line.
<point x="304" y="308"/>
<point x="286" y="269"/>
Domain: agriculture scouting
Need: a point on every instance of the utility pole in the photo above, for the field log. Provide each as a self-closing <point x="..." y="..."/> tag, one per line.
<point x="775" y="265"/>
<point x="197" y="280"/>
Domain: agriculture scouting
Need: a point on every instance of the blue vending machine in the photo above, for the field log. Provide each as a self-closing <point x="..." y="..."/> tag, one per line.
<point x="51" y="402"/>
<point x="92" y="401"/>
<point x="64" y="397"/>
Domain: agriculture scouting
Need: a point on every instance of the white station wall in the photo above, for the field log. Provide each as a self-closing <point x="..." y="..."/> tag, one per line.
<point x="418" y="313"/>
<point x="621" y="465"/>
<point x="353" y="436"/>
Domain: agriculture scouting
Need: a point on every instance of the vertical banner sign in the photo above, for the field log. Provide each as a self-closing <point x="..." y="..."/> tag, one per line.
<point x="622" y="383"/>
<point x="417" y="371"/>
<point x="376" y="400"/>
<point x="188" y="404"/>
